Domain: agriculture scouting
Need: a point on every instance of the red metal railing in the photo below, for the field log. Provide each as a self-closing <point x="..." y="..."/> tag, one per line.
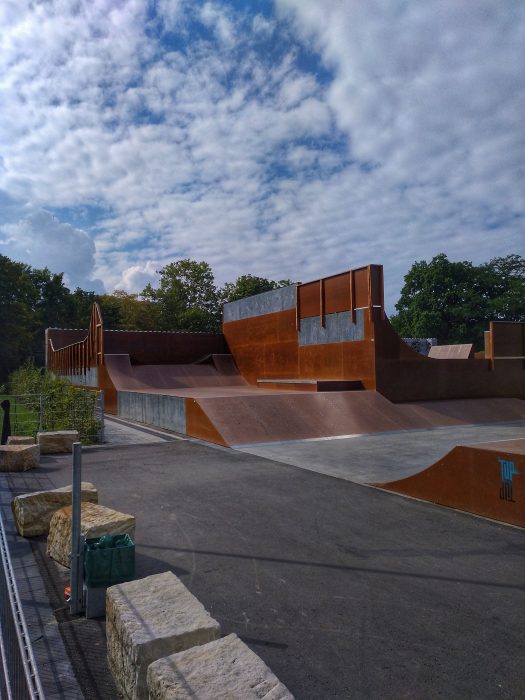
<point x="79" y="357"/>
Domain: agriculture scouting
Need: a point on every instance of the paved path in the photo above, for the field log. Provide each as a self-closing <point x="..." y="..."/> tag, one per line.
<point x="119" y="432"/>
<point x="344" y="591"/>
<point x="382" y="456"/>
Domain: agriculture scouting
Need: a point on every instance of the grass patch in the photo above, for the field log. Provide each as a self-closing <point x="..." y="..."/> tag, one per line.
<point x="23" y="417"/>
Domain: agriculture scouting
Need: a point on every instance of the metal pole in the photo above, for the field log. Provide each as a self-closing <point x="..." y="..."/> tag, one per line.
<point x="77" y="555"/>
<point x="41" y="421"/>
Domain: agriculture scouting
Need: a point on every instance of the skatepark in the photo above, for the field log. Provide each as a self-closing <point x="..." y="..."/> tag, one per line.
<point x="344" y="591"/>
<point x="352" y="510"/>
<point x="314" y="374"/>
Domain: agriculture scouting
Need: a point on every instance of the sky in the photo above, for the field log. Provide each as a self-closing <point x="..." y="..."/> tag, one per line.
<point x="286" y="139"/>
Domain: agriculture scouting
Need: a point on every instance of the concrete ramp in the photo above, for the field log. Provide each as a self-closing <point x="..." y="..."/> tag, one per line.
<point x="487" y="479"/>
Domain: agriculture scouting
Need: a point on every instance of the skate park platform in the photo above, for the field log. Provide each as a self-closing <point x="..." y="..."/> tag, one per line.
<point x="317" y="361"/>
<point x="457" y="466"/>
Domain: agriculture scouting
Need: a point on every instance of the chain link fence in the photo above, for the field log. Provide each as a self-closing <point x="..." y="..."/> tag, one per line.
<point x="79" y="409"/>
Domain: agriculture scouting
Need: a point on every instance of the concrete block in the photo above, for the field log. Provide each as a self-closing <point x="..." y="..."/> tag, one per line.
<point x="147" y="620"/>
<point x="95" y="521"/>
<point x="59" y="442"/>
<point x="225" y="669"/>
<point x="18" y="458"/>
<point x="33" y="511"/>
<point x="20" y="440"/>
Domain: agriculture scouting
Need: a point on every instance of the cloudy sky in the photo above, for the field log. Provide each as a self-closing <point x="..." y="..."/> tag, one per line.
<point x="285" y="138"/>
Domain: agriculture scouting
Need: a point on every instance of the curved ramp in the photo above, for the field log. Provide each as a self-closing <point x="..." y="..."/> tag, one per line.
<point x="278" y="416"/>
<point x="487" y="479"/>
<point x="219" y="371"/>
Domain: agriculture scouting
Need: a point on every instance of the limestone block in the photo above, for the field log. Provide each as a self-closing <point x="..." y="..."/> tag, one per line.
<point x="95" y="521"/>
<point x="18" y="458"/>
<point x="33" y="511"/>
<point x="225" y="669"/>
<point x="52" y="443"/>
<point x="20" y="440"/>
<point x="148" y="619"/>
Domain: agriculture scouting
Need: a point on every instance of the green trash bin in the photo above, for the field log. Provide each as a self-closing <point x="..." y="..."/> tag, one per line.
<point x="108" y="560"/>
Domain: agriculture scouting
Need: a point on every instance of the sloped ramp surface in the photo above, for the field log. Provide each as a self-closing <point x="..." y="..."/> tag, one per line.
<point x="487" y="479"/>
<point x="217" y="371"/>
<point x="252" y="418"/>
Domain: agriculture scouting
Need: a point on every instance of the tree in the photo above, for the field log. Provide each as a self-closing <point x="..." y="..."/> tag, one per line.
<point x="135" y="314"/>
<point x="110" y="309"/>
<point x="17" y="295"/>
<point x="186" y="298"/>
<point x="454" y="301"/>
<point x="248" y="285"/>
<point x="81" y="303"/>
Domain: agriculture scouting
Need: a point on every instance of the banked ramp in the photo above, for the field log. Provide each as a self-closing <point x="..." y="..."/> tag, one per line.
<point x="486" y="478"/>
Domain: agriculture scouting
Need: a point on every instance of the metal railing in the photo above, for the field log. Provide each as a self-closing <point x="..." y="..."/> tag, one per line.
<point x="83" y="411"/>
<point x="19" y="677"/>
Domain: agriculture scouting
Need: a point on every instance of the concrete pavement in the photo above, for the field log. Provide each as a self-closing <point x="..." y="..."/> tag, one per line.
<point x="344" y="591"/>
<point x="381" y="456"/>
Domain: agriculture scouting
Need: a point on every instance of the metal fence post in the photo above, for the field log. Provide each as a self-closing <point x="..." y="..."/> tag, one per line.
<point x="77" y="550"/>
<point x="101" y="413"/>
<point x="41" y="418"/>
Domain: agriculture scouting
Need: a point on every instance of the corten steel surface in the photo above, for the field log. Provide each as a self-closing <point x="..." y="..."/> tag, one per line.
<point x="507" y="340"/>
<point x="119" y="374"/>
<point x="463" y="351"/>
<point x="267" y="347"/>
<point x="404" y="375"/>
<point x="79" y="355"/>
<point x="156" y="348"/>
<point x="199" y="425"/>
<point x="254" y="418"/>
<point x="353" y="342"/>
<point x="470" y="478"/>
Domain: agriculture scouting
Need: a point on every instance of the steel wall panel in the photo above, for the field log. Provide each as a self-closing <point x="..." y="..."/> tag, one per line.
<point x="309" y="299"/>
<point x="337" y="293"/>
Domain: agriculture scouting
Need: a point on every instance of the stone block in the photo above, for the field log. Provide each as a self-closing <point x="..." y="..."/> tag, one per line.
<point x="59" y="442"/>
<point x="33" y="511"/>
<point x="225" y="669"/>
<point x="147" y="620"/>
<point x="20" y="440"/>
<point x="95" y="521"/>
<point x="18" y="458"/>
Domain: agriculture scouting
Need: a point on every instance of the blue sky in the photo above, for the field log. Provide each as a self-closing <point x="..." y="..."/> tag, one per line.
<point x="287" y="139"/>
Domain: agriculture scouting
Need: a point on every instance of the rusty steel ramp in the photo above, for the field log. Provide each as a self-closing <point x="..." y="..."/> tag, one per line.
<point x="212" y="371"/>
<point x="487" y="479"/>
<point x="254" y="418"/>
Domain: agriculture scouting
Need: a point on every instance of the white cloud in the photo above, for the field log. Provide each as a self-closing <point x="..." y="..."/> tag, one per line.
<point x="40" y="239"/>
<point x="241" y="156"/>
<point x="136" y="277"/>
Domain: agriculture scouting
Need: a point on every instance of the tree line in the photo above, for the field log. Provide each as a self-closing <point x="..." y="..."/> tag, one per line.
<point x="186" y="298"/>
<point x="452" y="301"/>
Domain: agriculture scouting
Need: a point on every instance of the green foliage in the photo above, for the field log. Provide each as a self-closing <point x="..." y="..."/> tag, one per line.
<point x="16" y="299"/>
<point x="65" y="407"/>
<point x="454" y="301"/>
<point x="248" y="285"/>
<point x="186" y="298"/>
<point x="135" y="314"/>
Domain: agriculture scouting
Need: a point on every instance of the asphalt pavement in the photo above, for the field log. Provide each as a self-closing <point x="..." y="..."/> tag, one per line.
<point x="343" y="590"/>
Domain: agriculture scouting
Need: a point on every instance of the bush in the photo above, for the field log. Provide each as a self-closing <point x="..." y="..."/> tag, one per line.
<point x="65" y="407"/>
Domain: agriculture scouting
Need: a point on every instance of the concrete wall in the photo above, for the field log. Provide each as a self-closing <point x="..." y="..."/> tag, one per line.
<point x="338" y="328"/>
<point x="153" y="409"/>
<point x="266" y="303"/>
<point x="90" y="378"/>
